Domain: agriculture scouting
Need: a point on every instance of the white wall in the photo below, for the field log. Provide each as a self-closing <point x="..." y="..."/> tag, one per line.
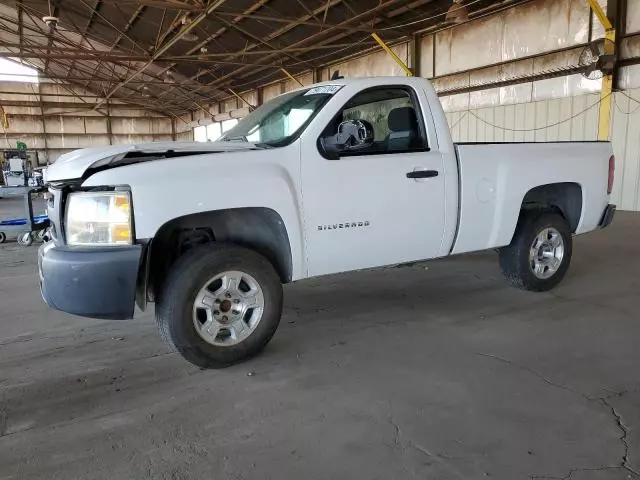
<point x="569" y="118"/>
<point x="51" y="120"/>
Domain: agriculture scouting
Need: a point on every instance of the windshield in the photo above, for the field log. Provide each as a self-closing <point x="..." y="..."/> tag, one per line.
<point x="279" y="121"/>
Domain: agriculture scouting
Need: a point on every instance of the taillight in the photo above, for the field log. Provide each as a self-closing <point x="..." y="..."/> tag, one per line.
<point x="612" y="173"/>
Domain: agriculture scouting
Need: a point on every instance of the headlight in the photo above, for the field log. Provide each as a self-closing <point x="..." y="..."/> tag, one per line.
<point x="98" y="218"/>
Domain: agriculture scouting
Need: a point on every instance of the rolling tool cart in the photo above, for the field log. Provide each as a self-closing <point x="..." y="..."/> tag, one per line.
<point x="29" y="228"/>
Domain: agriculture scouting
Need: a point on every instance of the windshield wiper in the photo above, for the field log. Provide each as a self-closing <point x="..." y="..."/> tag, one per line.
<point x="239" y="138"/>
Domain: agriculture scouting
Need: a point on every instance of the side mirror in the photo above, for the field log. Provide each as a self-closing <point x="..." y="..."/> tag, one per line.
<point x="328" y="148"/>
<point x="354" y="135"/>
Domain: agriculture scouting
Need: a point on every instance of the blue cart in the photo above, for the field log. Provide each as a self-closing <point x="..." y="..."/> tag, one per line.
<point x="29" y="228"/>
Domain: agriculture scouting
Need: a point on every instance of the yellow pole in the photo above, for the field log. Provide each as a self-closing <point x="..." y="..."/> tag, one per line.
<point x="600" y="13"/>
<point x="606" y="92"/>
<point x="292" y="77"/>
<point x="392" y="54"/>
<point x="240" y="97"/>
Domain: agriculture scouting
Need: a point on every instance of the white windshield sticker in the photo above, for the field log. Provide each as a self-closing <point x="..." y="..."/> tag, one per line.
<point x="330" y="89"/>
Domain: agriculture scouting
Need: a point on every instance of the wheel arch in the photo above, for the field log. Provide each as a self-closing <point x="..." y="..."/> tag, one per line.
<point x="258" y="228"/>
<point x="566" y="198"/>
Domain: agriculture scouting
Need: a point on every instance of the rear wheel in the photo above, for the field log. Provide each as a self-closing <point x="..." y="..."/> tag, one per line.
<point x="220" y="305"/>
<point x="3" y="237"/>
<point x="539" y="254"/>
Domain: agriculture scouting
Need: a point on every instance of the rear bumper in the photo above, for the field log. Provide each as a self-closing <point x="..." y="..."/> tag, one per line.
<point x="98" y="283"/>
<point x="607" y="216"/>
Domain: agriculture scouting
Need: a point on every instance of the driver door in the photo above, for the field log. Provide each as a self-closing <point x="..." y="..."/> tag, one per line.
<point x="378" y="204"/>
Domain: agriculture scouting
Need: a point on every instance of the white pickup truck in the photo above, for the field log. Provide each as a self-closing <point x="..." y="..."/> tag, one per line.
<point x="343" y="175"/>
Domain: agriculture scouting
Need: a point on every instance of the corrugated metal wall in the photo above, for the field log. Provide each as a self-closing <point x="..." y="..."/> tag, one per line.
<point x="50" y="119"/>
<point x="569" y="118"/>
<point x="564" y="119"/>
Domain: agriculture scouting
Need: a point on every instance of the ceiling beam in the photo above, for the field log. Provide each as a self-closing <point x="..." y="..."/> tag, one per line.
<point x="128" y="26"/>
<point x="245" y="33"/>
<point x="30" y="43"/>
<point x="163" y="49"/>
<point x="167" y="4"/>
<point x="20" y="22"/>
<point x="288" y="20"/>
<point x="108" y="22"/>
<point x="37" y="30"/>
<point x="86" y="28"/>
<point x="311" y="38"/>
<point x="277" y="33"/>
<point x="256" y="6"/>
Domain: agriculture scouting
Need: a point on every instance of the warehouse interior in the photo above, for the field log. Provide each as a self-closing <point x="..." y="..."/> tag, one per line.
<point x="427" y="370"/>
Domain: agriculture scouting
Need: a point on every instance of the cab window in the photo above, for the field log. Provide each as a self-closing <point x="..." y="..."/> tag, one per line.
<point x="385" y="120"/>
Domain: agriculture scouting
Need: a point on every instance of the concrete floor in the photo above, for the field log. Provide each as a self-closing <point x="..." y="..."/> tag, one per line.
<point x="436" y="372"/>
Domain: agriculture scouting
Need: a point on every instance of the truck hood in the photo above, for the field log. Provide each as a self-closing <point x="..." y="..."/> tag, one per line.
<point x="73" y="165"/>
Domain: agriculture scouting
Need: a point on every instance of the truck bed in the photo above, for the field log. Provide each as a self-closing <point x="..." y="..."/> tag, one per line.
<point x="495" y="177"/>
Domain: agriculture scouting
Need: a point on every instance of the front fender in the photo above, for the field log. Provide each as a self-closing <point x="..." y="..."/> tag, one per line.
<point x="166" y="189"/>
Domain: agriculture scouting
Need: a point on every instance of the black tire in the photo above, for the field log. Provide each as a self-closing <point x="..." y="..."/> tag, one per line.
<point x="190" y="273"/>
<point x="514" y="259"/>
<point x="3" y="237"/>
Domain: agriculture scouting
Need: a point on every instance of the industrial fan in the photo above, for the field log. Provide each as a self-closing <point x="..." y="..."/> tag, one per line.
<point x="594" y="60"/>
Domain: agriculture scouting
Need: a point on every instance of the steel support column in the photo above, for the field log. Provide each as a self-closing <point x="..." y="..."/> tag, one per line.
<point x="604" y="120"/>
<point x="44" y="126"/>
<point x="416" y="54"/>
<point x="109" y="131"/>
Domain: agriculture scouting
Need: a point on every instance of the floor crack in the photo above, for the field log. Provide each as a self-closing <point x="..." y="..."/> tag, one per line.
<point x="624" y="433"/>
<point x="603" y="401"/>
<point x="438" y="458"/>
<point x="536" y="373"/>
<point x="573" y="471"/>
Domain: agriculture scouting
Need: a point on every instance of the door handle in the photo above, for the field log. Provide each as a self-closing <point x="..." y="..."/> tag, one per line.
<point x="422" y="174"/>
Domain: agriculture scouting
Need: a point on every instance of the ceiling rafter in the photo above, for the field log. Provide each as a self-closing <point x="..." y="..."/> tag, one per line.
<point x="123" y="49"/>
<point x="311" y="38"/>
<point x="27" y="45"/>
<point x="256" y="6"/>
<point x="168" y="4"/>
<point x="110" y="65"/>
<point x="127" y="27"/>
<point x="20" y="22"/>
<point x="279" y="32"/>
<point x="160" y="51"/>
<point x="85" y="30"/>
<point x="108" y="22"/>
<point x="62" y="28"/>
<point x="266" y="43"/>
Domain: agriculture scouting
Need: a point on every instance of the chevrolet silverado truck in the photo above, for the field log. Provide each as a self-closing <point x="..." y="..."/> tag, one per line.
<point x="343" y="175"/>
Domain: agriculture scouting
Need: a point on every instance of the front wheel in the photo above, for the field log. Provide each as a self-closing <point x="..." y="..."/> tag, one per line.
<point x="26" y="239"/>
<point x="539" y="254"/>
<point x="219" y="305"/>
